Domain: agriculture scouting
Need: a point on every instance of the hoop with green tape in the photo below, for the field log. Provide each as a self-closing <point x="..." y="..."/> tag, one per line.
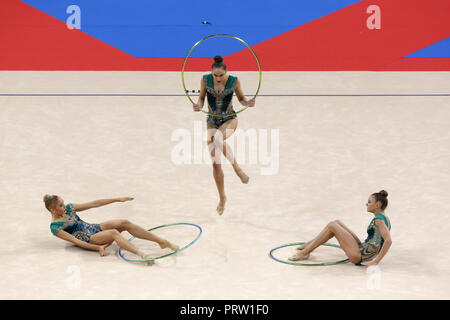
<point x="192" y="49"/>
<point x="306" y="264"/>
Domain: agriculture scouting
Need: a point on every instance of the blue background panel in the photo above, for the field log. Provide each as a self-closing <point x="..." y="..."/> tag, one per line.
<point x="439" y="49"/>
<point x="170" y="28"/>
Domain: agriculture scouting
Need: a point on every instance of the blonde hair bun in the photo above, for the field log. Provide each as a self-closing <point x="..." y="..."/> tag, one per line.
<point x="49" y="200"/>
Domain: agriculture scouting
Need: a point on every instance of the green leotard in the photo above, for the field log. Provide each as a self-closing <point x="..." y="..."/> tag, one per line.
<point x="75" y="226"/>
<point x="220" y="102"/>
<point x="374" y="242"/>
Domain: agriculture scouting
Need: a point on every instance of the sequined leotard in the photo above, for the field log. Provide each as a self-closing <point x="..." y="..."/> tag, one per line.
<point x="374" y="242"/>
<point x="75" y="226"/>
<point x="220" y="102"/>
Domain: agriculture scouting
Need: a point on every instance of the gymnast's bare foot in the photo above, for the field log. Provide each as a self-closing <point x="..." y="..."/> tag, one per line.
<point x="221" y="206"/>
<point x="301" y="247"/>
<point x="241" y="174"/>
<point x="146" y="256"/>
<point x="300" y="255"/>
<point x="166" y="244"/>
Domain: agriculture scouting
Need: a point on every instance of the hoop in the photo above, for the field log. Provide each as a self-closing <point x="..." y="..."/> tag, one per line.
<point x="189" y="53"/>
<point x="306" y="264"/>
<point x="171" y="253"/>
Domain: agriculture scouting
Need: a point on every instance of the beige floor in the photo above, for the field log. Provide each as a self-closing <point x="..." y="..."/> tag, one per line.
<point x="333" y="153"/>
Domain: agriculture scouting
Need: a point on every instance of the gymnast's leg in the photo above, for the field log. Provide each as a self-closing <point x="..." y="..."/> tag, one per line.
<point x="225" y="131"/>
<point x="137" y="231"/>
<point x="333" y="229"/>
<point x="343" y="226"/>
<point x="217" y="169"/>
<point x="108" y="236"/>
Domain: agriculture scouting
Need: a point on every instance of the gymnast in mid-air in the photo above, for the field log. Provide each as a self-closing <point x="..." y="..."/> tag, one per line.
<point x="67" y="225"/>
<point x="218" y="87"/>
<point x="367" y="253"/>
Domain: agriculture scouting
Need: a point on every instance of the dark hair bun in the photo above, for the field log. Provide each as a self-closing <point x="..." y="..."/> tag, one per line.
<point x="218" y="59"/>
<point x="383" y="193"/>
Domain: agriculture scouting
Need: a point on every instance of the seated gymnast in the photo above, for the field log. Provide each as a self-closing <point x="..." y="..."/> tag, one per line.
<point x="67" y="225"/>
<point x="369" y="252"/>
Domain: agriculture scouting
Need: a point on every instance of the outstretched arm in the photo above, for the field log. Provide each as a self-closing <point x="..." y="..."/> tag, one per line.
<point x="241" y="97"/>
<point x="386" y="245"/>
<point x="98" y="203"/>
